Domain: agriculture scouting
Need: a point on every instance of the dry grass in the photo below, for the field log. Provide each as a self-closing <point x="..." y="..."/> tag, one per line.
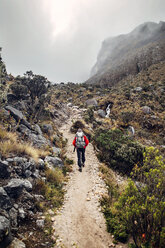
<point x="9" y="144"/>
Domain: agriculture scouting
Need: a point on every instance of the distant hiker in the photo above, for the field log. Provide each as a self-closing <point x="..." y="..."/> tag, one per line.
<point x="80" y="142"/>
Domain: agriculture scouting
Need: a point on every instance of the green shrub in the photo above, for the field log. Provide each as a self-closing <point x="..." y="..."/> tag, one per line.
<point x="89" y="115"/>
<point x="141" y="207"/>
<point x="118" y="150"/>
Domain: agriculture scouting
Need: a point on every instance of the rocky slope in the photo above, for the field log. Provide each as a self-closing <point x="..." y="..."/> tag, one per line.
<point x="32" y="168"/>
<point x="128" y="54"/>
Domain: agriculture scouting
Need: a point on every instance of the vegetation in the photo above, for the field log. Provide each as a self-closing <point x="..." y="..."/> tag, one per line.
<point x="9" y="144"/>
<point x="140" y="209"/>
<point x="118" y="150"/>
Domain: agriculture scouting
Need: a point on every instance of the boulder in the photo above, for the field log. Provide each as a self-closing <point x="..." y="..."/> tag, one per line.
<point x="47" y="128"/>
<point x="56" y="150"/>
<point x="5" y="233"/>
<point x="54" y="162"/>
<point x="18" y="116"/>
<point x="91" y="102"/>
<point x="4" y="169"/>
<point x="16" y="243"/>
<point x="5" y="202"/>
<point x="146" y="110"/>
<point x="101" y="113"/>
<point x="15" y="186"/>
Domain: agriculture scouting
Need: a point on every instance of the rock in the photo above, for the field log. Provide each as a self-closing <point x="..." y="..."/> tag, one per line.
<point x="56" y="150"/>
<point x="5" y="202"/>
<point x="5" y="233"/>
<point x="18" y="116"/>
<point x="38" y="129"/>
<point x="28" y="173"/>
<point x="138" y="89"/>
<point x="146" y="110"/>
<point x="47" y="128"/>
<point x="37" y="140"/>
<point x="16" y="243"/>
<point x="101" y="113"/>
<point x="13" y="213"/>
<point x="21" y="213"/>
<point x="15" y="186"/>
<point x="41" y="164"/>
<point x="4" y="169"/>
<point x="40" y="223"/>
<point x="54" y="161"/>
<point x="91" y="102"/>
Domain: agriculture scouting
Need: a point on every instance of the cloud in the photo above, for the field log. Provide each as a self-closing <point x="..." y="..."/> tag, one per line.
<point x="61" y="39"/>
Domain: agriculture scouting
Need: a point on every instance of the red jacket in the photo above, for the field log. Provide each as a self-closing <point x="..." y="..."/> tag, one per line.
<point x="85" y="139"/>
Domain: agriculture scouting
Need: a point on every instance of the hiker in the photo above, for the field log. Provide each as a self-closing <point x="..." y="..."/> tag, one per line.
<point x="80" y="142"/>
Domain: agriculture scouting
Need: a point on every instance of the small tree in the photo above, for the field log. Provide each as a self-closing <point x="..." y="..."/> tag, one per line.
<point x="36" y="84"/>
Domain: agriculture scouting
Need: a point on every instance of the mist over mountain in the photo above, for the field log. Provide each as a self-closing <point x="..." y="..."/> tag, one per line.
<point x="128" y="54"/>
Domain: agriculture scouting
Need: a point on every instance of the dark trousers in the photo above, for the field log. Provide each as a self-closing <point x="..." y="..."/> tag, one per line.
<point x="81" y="156"/>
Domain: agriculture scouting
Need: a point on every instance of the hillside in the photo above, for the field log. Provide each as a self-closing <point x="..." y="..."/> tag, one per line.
<point x="125" y="124"/>
<point x="128" y="54"/>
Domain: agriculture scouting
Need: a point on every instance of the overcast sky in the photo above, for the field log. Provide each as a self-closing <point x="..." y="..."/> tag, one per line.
<point x="60" y="39"/>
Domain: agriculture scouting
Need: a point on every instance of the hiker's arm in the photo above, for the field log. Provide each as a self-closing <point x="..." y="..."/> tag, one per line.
<point x="86" y="141"/>
<point x="74" y="142"/>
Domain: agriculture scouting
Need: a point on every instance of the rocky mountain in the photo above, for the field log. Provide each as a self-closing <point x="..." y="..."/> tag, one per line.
<point x="128" y="54"/>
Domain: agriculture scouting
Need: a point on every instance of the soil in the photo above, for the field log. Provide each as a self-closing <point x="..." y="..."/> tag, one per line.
<point x="80" y="222"/>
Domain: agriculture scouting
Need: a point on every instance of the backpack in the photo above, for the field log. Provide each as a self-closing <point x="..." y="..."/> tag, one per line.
<point x="80" y="142"/>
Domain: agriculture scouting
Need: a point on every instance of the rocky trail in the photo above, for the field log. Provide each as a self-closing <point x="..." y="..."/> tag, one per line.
<point x="80" y="222"/>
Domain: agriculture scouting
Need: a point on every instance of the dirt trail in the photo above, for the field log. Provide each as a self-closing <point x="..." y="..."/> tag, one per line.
<point x="80" y="222"/>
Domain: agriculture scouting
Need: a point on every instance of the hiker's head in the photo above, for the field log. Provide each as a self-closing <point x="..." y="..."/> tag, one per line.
<point x="79" y="130"/>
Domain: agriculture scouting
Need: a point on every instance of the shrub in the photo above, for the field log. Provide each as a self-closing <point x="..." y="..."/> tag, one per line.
<point x="118" y="150"/>
<point x="127" y="117"/>
<point x="142" y="206"/>
<point x="55" y="176"/>
<point x="89" y="115"/>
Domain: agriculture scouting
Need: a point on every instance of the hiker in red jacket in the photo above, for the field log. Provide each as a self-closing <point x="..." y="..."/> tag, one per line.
<point x="80" y="142"/>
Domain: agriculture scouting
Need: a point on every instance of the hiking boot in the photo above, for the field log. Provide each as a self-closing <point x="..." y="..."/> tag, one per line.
<point x="83" y="165"/>
<point x="80" y="169"/>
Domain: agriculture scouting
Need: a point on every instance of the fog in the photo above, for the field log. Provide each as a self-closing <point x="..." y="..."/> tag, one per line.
<point x="61" y="39"/>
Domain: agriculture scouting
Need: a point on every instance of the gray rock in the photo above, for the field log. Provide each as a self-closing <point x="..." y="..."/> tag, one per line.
<point x="38" y="129"/>
<point x="56" y="150"/>
<point x="13" y="213"/>
<point x="91" y="102"/>
<point x="54" y="161"/>
<point x="15" y="113"/>
<point x="101" y="113"/>
<point x="39" y="198"/>
<point x="37" y="140"/>
<point x="41" y="164"/>
<point x="5" y="233"/>
<point x="15" y="186"/>
<point x="18" y="116"/>
<point x="138" y="89"/>
<point x="40" y="223"/>
<point x="36" y="174"/>
<point x="27" y="173"/>
<point x="5" y="202"/>
<point x="146" y="110"/>
<point x="16" y="243"/>
<point x="4" y="169"/>
<point x="47" y="128"/>
<point x="21" y="213"/>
